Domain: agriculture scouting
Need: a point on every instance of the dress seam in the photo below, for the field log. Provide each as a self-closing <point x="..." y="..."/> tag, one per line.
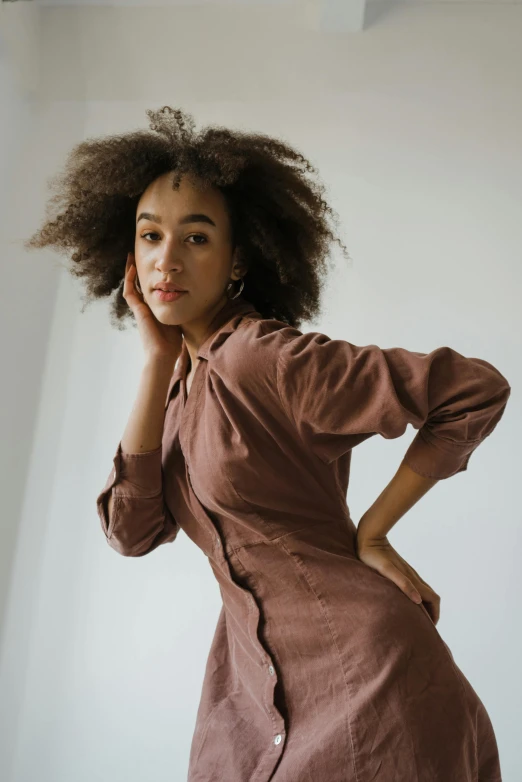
<point x="269" y="541"/>
<point x="288" y="410"/>
<point x="301" y="565"/>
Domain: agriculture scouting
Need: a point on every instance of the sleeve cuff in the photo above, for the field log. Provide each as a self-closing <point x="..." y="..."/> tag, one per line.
<point x="137" y="474"/>
<point x="432" y="457"/>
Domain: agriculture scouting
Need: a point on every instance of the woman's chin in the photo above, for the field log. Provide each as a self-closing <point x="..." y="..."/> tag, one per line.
<point x="166" y="314"/>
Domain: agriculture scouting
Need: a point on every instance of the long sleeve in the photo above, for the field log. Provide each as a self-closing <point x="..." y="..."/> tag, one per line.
<point x="140" y="519"/>
<point x="339" y="394"/>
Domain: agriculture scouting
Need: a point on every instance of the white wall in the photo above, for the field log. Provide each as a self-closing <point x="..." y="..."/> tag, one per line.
<point x="28" y="291"/>
<point x="415" y="126"/>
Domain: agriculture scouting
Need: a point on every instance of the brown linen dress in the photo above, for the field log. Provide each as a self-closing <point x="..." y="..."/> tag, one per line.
<point x="321" y="669"/>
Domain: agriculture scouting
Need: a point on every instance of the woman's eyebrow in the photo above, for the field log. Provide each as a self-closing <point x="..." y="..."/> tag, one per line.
<point x="190" y="218"/>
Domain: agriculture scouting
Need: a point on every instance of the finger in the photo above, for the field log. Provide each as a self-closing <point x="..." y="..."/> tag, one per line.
<point x="414" y="576"/>
<point x="403" y="582"/>
<point x="412" y="593"/>
<point x="420" y="577"/>
<point x="133" y="272"/>
<point x="128" y="266"/>
<point x="128" y="286"/>
<point x="130" y="292"/>
<point x="430" y="598"/>
<point x="433" y="608"/>
<point x="129" y="262"/>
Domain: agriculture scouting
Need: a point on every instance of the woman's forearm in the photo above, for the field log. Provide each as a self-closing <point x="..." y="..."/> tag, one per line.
<point x="403" y="491"/>
<point x="144" y="430"/>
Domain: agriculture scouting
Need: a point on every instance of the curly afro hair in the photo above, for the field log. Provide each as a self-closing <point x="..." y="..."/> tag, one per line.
<point x="278" y="216"/>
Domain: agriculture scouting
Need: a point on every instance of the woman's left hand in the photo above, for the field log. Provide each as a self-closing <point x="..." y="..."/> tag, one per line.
<point x="379" y="554"/>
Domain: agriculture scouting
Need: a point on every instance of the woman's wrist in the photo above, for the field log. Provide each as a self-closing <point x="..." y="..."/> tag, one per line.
<point x="403" y="491"/>
<point x="370" y="529"/>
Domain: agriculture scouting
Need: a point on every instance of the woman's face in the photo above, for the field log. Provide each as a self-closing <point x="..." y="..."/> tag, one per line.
<point x="184" y="237"/>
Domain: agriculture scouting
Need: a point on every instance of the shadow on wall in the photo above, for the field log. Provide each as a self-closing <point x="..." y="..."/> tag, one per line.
<point x="378" y="10"/>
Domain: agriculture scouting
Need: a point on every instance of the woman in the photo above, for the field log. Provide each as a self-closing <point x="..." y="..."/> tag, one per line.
<point x="326" y="664"/>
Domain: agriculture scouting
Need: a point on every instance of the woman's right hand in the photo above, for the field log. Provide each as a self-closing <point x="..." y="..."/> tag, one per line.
<point x="159" y="340"/>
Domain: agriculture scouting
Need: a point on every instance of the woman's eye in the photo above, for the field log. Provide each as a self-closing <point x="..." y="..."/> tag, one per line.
<point x="198" y="236"/>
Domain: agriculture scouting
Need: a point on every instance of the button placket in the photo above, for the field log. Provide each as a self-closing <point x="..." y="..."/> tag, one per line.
<point x="263" y="683"/>
<point x="218" y="551"/>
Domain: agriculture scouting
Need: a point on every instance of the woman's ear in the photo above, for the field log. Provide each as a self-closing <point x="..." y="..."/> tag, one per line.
<point x="239" y="267"/>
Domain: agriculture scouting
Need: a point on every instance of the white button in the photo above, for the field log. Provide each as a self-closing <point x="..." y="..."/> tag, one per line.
<point x="271" y="670"/>
<point x="277" y="739"/>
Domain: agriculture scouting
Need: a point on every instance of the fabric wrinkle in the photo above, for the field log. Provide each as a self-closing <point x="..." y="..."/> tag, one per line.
<point x="320" y="669"/>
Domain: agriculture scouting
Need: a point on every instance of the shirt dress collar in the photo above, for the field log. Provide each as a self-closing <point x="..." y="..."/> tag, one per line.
<point x="222" y="323"/>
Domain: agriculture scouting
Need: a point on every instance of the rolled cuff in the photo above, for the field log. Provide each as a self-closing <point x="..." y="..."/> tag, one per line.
<point x="137" y="474"/>
<point x="432" y="457"/>
<point x="133" y="475"/>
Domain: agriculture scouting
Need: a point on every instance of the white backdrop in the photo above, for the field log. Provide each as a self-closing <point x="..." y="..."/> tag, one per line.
<point x="415" y="127"/>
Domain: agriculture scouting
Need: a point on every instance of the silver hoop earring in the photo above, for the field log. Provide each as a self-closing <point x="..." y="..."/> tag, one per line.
<point x="239" y="291"/>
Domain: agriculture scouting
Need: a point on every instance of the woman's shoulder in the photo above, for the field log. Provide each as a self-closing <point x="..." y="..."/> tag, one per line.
<point x="261" y="340"/>
<point x="250" y="351"/>
<point x="268" y="339"/>
<point x="265" y="353"/>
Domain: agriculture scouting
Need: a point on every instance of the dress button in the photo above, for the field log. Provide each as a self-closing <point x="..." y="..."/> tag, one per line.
<point x="271" y="670"/>
<point x="277" y="739"/>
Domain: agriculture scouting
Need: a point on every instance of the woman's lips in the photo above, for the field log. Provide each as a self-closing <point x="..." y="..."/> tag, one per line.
<point x="168" y="295"/>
